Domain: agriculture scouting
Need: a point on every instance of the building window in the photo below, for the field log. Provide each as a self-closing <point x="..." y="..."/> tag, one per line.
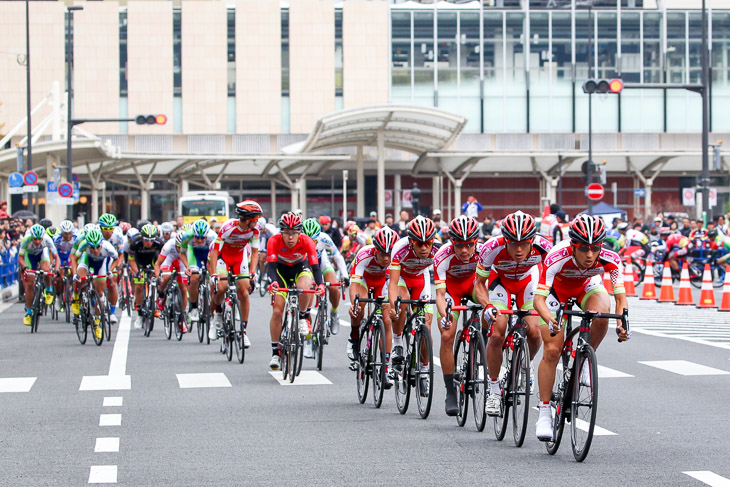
<point x="231" y="107"/>
<point x="285" y="119"/>
<point x="177" y="51"/>
<point x="469" y="92"/>
<point x="123" y="88"/>
<point x="424" y="59"/>
<point x="338" y="53"/>
<point x="401" y="57"/>
<point x="447" y="62"/>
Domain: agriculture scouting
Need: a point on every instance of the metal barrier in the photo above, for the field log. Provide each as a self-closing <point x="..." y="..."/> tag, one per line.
<point x="8" y="269"/>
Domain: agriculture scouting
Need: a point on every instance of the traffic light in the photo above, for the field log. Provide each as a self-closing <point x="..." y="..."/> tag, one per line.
<point x="603" y="86"/>
<point x="151" y="119"/>
<point x="599" y="171"/>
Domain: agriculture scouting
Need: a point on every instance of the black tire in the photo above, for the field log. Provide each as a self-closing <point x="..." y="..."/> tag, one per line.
<point x="204" y="303"/>
<point x="295" y="346"/>
<point x="179" y="314"/>
<point x="130" y="294"/>
<point x="168" y="316"/>
<point x="520" y="391"/>
<point x="363" y="362"/>
<point x="557" y="398"/>
<point x="423" y="344"/>
<point x="500" y="422"/>
<point x="67" y="299"/>
<point x="263" y="285"/>
<point x="284" y="347"/>
<point x="107" y="319"/>
<point x="696" y="270"/>
<point x="584" y="405"/>
<point x="379" y="363"/>
<point x="201" y="329"/>
<point x="402" y="381"/>
<point x="94" y="304"/>
<point x="462" y="377"/>
<point x="238" y="336"/>
<point x="479" y="380"/>
<point x="37" y="308"/>
<point x="638" y="270"/>
<point x="320" y="335"/>
<point x="228" y="335"/>
<point x="82" y="325"/>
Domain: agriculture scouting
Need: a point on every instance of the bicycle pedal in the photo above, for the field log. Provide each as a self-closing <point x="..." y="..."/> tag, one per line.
<point x="353" y="366"/>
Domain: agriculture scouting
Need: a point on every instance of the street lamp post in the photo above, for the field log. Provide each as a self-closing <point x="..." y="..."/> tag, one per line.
<point x="69" y="98"/>
<point x="705" y="178"/>
<point x="29" y="163"/>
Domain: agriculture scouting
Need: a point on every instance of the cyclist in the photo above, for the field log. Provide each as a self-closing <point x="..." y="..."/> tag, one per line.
<point x="64" y="241"/>
<point x="266" y="231"/>
<point x="143" y="250"/>
<point x="51" y="232"/>
<point x="109" y="226"/>
<point x="166" y="231"/>
<point x="636" y="242"/>
<point x="292" y="259"/>
<point x="370" y="271"/>
<point x="96" y="254"/>
<point x="194" y="249"/>
<point x="410" y="278"/>
<point x="509" y="265"/>
<point x="455" y="266"/>
<point x="720" y="241"/>
<point x="169" y="260"/>
<point x="237" y="243"/>
<point x="574" y="269"/>
<point x="36" y="251"/>
<point x="677" y="246"/>
<point x="326" y="252"/>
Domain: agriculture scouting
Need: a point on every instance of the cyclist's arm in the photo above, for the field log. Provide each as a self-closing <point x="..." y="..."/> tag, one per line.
<point x="340" y="263"/>
<point x="542" y="309"/>
<point x="480" y="287"/>
<point x="393" y="285"/>
<point x="158" y="263"/>
<point x="133" y="264"/>
<point x="272" y="271"/>
<point x="57" y="260"/>
<point x="254" y="260"/>
<point x="184" y="257"/>
<point x="441" y="300"/>
<point x="317" y="273"/>
<point x="21" y="261"/>
<point x="212" y="260"/>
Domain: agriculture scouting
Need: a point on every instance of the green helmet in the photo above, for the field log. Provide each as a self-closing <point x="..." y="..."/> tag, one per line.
<point x="108" y="220"/>
<point x="311" y="227"/>
<point x="94" y="238"/>
<point x="149" y="231"/>
<point x="37" y="231"/>
<point x="51" y="231"/>
<point x="186" y="228"/>
<point x="200" y="228"/>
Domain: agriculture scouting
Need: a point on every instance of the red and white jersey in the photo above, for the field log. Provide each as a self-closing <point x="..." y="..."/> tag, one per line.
<point x="232" y="239"/>
<point x="303" y="252"/>
<point x="404" y="259"/>
<point x="561" y="269"/>
<point x="494" y="256"/>
<point x="366" y="267"/>
<point x="449" y="269"/>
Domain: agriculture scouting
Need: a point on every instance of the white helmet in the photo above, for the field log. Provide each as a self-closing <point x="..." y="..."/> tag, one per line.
<point x="89" y="227"/>
<point x="166" y="227"/>
<point x="298" y="211"/>
<point x="262" y="222"/>
<point x="67" y="226"/>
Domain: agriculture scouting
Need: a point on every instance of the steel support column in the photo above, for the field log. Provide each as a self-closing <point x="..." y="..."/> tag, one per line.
<point x="360" y="183"/>
<point x="381" y="177"/>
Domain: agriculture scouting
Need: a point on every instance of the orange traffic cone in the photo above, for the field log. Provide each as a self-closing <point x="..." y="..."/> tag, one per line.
<point x="725" y="304"/>
<point x="685" y="290"/>
<point x="707" y="294"/>
<point x="629" y="278"/>
<point x="666" y="293"/>
<point x="647" y="290"/>
<point x="607" y="283"/>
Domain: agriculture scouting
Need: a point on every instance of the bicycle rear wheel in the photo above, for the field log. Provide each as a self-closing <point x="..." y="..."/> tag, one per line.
<point x="284" y="347"/>
<point x="462" y="377"/>
<point x="363" y="362"/>
<point x="500" y="422"/>
<point x="96" y="309"/>
<point x="584" y="405"/>
<point x="179" y="314"/>
<point x="424" y="389"/>
<point x="82" y="323"/>
<point x="67" y="299"/>
<point x="379" y="363"/>
<point x="519" y="393"/>
<point x="295" y="346"/>
<point x="479" y="379"/>
<point x="557" y="406"/>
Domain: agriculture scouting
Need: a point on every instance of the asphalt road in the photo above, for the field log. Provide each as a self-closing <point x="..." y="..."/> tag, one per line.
<point x="658" y="424"/>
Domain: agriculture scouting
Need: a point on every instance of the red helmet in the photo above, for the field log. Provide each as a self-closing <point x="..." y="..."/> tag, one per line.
<point x="324" y="220"/>
<point x="249" y="210"/>
<point x="464" y="229"/>
<point x="518" y="227"/>
<point x="290" y="221"/>
<point x="384" y="240"/>
<point x="421" y="229"/>
<point x="125" y="226"/>
<point x="587" y="229"/>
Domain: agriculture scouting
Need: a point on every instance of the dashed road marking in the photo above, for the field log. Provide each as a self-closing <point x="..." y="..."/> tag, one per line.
<point x="110" y="420"/>
<point x="113" y="401"/>
<point x="17" y="384"/>
<point x="344" y="323"/>
<point x="107" y="445"/>
<point x="608" y="373"/>
<point x="117" y="378"/>
<point x="194" y="381"/>
<point x="305" y="378"/>
<point x="684" y="367"/>
<point x="709" y="478"/>
<point x="103" y="474"/>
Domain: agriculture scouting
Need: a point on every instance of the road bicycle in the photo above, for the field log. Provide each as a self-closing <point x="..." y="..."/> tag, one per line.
<point x="173" y="313"/>
<point x="126" y="291"/>
<point x="37" y="304"/>
<point x="231" y="337"/>
<point x="574" y="397"/>
<point x="417" y="368"/>
<point x="290" y="339"/>
<point x="321" y="326"/>
<point x="204" y="314"/>
<point x="148" y="308"/>
<point x="91" y="312"/>
<point x="264" y="280"/>
<point x="370" y="362"/>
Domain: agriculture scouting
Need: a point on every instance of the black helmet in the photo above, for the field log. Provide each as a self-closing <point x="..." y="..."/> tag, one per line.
<point x="141" y="224"/>
<point x="46" y="223"/>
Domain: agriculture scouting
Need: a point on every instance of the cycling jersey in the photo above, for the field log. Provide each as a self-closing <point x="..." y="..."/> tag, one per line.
<point x="265" y="233"/>
<point x="171" y="252"/>
<point x="453" y="274"/>
<point x="118" y="240"/>
<point x="64" y="247"/>
<point x="293" y="262"/>
<point x="35" y="253"/>
<point x="494" y="255"/>
<point x="721" y="242"/>
<point x="144" y="256"/>
<point x="232" y="239"/>
<point x="326" y="249"/>
<point x="678" y="245"/>
<point x="197" y="254"/>
<point x="100" y="262"/>
<point x="404" y="259"/>
<point x="367" y="272"/>
<point x="636" y="238"/>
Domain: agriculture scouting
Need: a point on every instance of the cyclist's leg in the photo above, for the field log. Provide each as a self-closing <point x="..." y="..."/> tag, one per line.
<point x="243" y="287"/>
<point x="595" y="297"/>
<point x="305" y="281"/>
<point x="426" y="294"/>
<point x="182" y="280"/>
<point x="499" y="296"/>
<point x="357" y="287"/>
<point x="194" y="276"/>
<point x="446" y="350"/>
<point x="217" y="297"/>
<point x="277" y="314"/>
<point x="113" y="281"/>
<point x="552" y="348"/>
<point x="32" y="263"/>
<point x="386" y="320"/>
<point x="45" y="265"/>
<point x="525" y="301"/>
<point x="400" y="322"/>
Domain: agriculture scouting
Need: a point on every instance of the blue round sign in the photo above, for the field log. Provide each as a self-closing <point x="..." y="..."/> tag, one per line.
<point x="65" y="190"/>
<point x="15" y="180"/>
<point x="30" y="178"/>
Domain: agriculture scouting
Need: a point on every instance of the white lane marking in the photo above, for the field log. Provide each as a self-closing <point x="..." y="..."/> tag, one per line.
<point x="113" y="401"/>
<point x="103" y="474"/>
<point x="725" y="346"/>
<point x="193" y="381"/>
<point x="110" y="420"/>
<point x="345" y="323"/>
<point x="16" y="384"/>
<point x="6" y="305"/>
<point x="607" y="373"/>
<point x="583" y="426"/>
<point x="305" y="378"/>
<point x="437" y="361"/>
<point x="107" y="445"/>
<point x="117" y="378"/>
<point x="684" y="367"/>
<point x="709" y="478"/>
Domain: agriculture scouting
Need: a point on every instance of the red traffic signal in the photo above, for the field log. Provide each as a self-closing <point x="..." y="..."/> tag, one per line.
<point x="602" y="86"/>
<point x="151" y="119"/>
<point x="616" y="86"/>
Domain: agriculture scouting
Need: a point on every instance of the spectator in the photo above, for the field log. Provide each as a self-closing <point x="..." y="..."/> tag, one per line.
<point x="389" y="222"/>
<point x="404" y="219"/>
<point x="560" y="230"/>
<point x="371" y="228"/>
<point x="179" y="221"/>
<point x="686" y="227"/>
<point x="487" y="227"/>
<point x="374" y="218"/>
<point x="4" y="210"/>
<point x="472" y="207"/>
<point x="326" y="223"/>
<point x="436" y="217"/>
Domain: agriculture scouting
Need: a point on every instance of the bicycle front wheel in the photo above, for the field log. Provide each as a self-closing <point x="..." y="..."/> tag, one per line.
<point x="263" y="285"/>
<point x="284" y="347"/>
<point x="519" y="393"/>
<point x="319" y="334"/>
<point x="462" y="377"/>
<point x="379" y="363"/>
<point x="584" y="404"/>
<point x="479" y="380"/>
<point x="500" y="422"/>
<point x="96" y="311"/>
<point x="557" y="406"/>
<point x="238" y="336"/>
<point x="178" y="313"/>
<point x="424" y="372"/>
<point x="295" y="345"/>
<point x="81" y="323"/>
<point x="363" y="362"/>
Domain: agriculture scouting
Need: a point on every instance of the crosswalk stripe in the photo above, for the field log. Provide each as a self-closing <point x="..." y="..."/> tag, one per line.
<point x="684" y="367"/>
<point x="103" y="474"/>
<point x="17" y="384"/>
<point x="305" y="378"/>
<point x="608" y="373"/>
<point x="709" y="478"/>
<point x="583" y="426"/>
<point x="198" y="381"/>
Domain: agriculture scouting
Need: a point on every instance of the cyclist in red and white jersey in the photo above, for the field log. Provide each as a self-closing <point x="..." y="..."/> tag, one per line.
<point x="455" y="266"/>
<point x="237" y="245"/>
<point x="509" y="265"/>
<point x="575" y="269"/>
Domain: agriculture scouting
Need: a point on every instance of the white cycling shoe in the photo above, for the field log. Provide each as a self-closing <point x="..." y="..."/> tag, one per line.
<point x="544" y="427"/>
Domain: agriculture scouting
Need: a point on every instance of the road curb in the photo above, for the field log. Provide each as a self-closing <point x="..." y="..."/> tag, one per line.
<point x="10" y="293"/>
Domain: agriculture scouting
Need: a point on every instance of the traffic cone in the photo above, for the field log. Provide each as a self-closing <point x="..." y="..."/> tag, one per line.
<point x="725" y="304"/>
<point x="648" y="291"/>
<point x="685" y="290"/>
<point x="666" y="293"/>
<point x="607" y="283"/>
<point x="629" y="278"/>
<point x="707" y="294"/>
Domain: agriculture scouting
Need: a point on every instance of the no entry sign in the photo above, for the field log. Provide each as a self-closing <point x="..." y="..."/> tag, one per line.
<point x="594" y="191"/>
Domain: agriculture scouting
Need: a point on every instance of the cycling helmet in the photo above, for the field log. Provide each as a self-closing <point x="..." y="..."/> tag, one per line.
<point x="311" y="227"/>
<point x="622" y="227"/>
<point x="262" y="222"/>
<point x="142" y="223"/>
<point x="421" y="229"/>
<point x="348" y="224"/>
<point x="298" y="211"/>
<point x="108" y="220"/>
<point x="89" y="227"/>
<point x="149" y="231"/>
<point x="353" y="230"/>
<point x="178" y="238"/>
<point x="125" y="226"/>
<point x="166" y="227"/>
<point x="384" y="240"/>
<point x="67" y="226"/>
<point x="587" y="229"/>
<point x="249" y="210"/>
<point x="712" y="233"/>
<point x="186" y="228"/>
<point x="664" y="231"/>
<point x="37" y="231"/>
<point x="290" y="221"/>
<point x="518" y="227"/>
<point x="94" y="238"/>
<point x="51" y="231"/>
<point x="464" y="229"/>
<point x="45" y="223"/>
<point x="324" y="220"/>
<point x="200" y="228"/>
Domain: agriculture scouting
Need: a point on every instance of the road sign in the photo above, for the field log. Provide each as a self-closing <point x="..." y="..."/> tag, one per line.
<point x="30" y="178"/>
<point x="77" y="191"/>
<point x="66" y="190"/>
<point x="51" y="187"/>
<point x="74" y="177"/>
<point x="640" y="193"/>
<point x="33" y="188"/>
<point x="18" y="190"/>
<point x="594" y="191"/>
<point x="15" y="180"/>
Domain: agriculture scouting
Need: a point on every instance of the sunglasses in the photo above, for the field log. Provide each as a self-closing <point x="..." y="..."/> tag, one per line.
<point x="146" y="239"/>
<point x="464" y="245"/>
<point x="427" y="243"/>
<point x="290" y="233"/>
<point x="107" y="228"/>
<point x="586" y="248"/>
<point x="521" y="243"/>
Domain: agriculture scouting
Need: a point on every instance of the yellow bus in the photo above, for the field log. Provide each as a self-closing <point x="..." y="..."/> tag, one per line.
<point x="205" y="204"/>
